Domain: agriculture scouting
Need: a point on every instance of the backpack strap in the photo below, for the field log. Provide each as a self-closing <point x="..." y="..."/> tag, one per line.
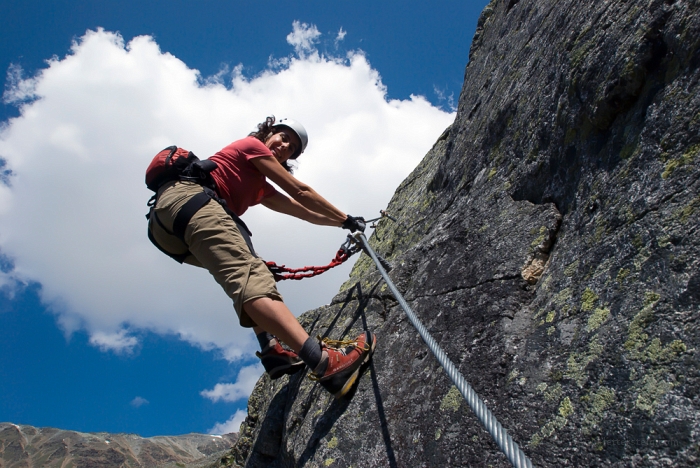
<point x="184" y="216"/>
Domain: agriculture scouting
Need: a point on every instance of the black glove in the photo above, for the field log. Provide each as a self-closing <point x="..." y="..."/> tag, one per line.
<point x="354" y="223"/>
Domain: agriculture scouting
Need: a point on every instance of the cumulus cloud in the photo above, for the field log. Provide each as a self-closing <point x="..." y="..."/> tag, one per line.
<point x="232" y="425"/>
<point x="72" y="208"/>
<point x="229" y="392"/>
<point x="303" y="37"/>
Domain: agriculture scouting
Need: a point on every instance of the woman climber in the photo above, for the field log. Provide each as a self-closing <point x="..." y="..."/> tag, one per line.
<point x="217" y="240"/>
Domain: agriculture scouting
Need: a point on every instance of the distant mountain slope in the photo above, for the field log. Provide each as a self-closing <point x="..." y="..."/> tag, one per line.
<point x="31" y="447"/>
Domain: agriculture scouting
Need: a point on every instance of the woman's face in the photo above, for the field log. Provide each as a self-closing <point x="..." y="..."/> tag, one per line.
<point x="283" y="144"/>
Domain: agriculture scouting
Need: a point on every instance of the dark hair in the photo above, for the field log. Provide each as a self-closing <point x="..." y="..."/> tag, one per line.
<point x="265" y="130"/>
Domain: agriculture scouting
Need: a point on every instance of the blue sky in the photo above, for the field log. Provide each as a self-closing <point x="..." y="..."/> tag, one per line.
<point x="98" y="331"/>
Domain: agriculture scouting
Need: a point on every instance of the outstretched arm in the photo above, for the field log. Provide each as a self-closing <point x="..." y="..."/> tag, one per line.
<point x="283" y="204"/>
<point x="301" y="193"/>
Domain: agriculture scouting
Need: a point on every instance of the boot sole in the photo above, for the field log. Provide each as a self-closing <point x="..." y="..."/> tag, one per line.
<point x="353" y="378"/>
<point x="290" y="369"/>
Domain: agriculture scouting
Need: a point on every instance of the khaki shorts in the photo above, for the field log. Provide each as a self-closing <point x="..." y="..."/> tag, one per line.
<point x="215" y="243"/>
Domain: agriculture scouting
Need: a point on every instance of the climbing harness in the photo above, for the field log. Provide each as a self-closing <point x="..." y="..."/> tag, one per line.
<point x="172" y="164"/>
<point x="511" y="449"/>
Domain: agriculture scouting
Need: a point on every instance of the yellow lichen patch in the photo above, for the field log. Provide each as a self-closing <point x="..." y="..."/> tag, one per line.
<point x="540" y="238"/>
<point x="512" y="375"/>
<point x="550" y="316"/>
<point x="577" y="362"/>
<point x="562" y="296"/>
<point x="553" y="393"/>
<point x="566" y="409"/>
<point x="653" y="387"/>
<point x="452" y="400"/>
<point x="333" y="443"/>
<point x="636" y="337"/>
<point x="329" y="462"/>
<point x="597" y="318"/>
<point x="438" y="434"/>
<point x="571" y="269"/>
<point x="588" y="299"/>
<point x="684" y="160"/>
<point x="683" y="214"/>
<point x="622" y="274"/>
<point x="598" y="401"/>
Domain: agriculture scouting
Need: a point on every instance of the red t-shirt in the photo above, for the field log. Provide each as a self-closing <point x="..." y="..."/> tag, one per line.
<point x="237" y="179"/>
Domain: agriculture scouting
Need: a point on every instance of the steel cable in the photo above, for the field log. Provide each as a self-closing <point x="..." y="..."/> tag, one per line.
<point x="511" y="449"/>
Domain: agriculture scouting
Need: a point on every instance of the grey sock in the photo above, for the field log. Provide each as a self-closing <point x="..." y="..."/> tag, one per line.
<point x="264" y="339"/>
<point x="311" y="353"/>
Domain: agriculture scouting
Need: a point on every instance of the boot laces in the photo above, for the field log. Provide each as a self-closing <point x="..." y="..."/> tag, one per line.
<point x="339" y="345"/>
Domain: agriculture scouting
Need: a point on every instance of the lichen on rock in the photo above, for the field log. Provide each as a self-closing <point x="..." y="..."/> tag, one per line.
<point x="549" y="243"/>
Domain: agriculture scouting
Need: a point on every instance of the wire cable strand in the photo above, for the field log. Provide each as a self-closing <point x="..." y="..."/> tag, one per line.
<point x="511" y="449"/>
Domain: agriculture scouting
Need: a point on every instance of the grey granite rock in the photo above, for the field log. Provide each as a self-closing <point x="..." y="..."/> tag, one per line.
<point x="549" y="241"/>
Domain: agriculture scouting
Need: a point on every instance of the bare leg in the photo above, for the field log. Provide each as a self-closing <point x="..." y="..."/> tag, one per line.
<point x="275" y="317"/>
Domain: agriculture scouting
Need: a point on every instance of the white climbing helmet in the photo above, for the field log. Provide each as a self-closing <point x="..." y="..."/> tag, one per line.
<point x="297" y="128"/>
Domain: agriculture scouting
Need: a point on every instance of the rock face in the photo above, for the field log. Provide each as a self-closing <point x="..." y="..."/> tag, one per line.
<point x="27" y="446"/>
<point x="549" y="241"/>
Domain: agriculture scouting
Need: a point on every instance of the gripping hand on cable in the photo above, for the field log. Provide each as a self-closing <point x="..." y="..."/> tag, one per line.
<point x="354" y="223"/>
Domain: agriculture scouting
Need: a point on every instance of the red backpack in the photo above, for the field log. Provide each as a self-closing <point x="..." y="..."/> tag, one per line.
<point x="170" y="164"/>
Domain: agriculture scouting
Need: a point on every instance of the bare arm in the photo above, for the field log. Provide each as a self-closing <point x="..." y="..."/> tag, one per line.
<point x="283" y="204"/>
<point x="302" y="194"/>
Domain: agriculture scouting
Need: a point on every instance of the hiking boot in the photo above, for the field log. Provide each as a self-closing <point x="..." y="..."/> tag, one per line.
<point x="277" y="361"/>
<point x="341" y="362"/>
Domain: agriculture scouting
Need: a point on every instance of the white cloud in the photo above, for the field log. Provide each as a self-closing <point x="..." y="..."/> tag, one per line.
<point x="341" y="35"/>
<point x="246" y="380"/>
<point x="303" y="37"/>
<point x="232" y="425"/>
<point x="72" y="217"/>
<point x="117" y="341"/>
<point x="17" y="88"/>
<point x="138" y="402"/>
